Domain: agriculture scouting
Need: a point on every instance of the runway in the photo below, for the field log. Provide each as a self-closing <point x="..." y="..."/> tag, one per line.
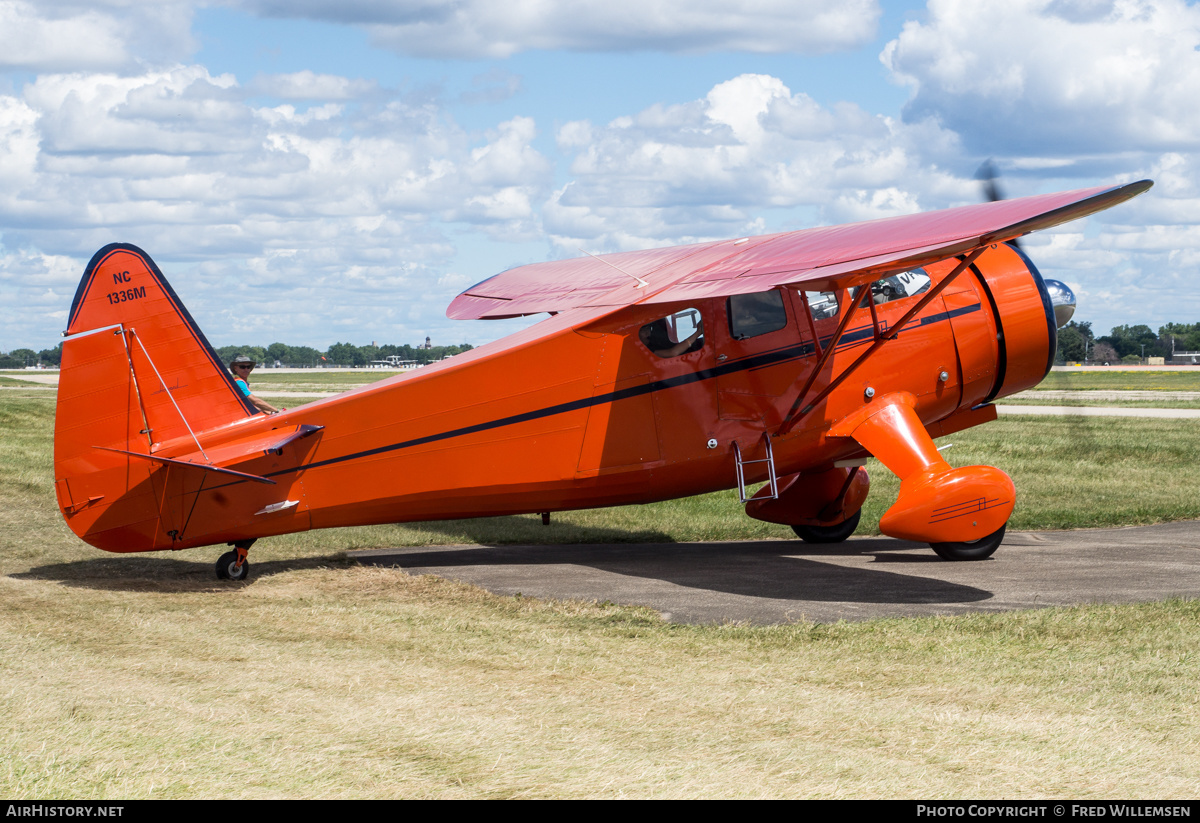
<point x="1006" y="409"/>
<point x="769" y="582"/>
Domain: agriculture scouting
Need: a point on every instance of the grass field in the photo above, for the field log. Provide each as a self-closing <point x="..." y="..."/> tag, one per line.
<point x="1121" y="380"/>
<point x="141" y="676"/>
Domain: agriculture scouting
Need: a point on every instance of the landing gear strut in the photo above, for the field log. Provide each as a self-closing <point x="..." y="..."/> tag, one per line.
<point x="233" y="565"/>
<point x="961" y="513"/>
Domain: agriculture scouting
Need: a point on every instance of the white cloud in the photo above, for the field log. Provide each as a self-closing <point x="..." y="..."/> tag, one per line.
<point x="1055" y="77"/>
<point x="714" y="166"/>
<point x="99" y="35"/>
<point x="180" y="111"/>
<point x="308" y="85"/>
<point x="313" y="209"/>
<point x="35" y="292"/>
<point x="481" y="28"/>
<point x="182" y="147"/>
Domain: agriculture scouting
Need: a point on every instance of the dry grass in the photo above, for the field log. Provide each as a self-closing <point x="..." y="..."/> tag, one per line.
<point x="124" y="677"/>
<point x="354" y="682"/>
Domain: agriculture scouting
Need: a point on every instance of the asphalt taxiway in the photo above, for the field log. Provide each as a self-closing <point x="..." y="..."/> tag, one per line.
<point x="781" y="581"/>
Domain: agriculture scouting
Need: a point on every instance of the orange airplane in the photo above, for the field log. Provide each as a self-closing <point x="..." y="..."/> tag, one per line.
<point x="787" y="358"/>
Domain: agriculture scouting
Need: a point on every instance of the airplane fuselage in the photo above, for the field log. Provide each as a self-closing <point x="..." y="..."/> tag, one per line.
<point x="579" y="412"/>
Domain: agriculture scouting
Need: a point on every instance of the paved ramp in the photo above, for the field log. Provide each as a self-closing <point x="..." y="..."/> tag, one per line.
<point x="776" y="581"/>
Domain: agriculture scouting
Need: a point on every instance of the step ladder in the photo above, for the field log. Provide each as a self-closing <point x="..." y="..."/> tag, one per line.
<point x="740" y="464"/>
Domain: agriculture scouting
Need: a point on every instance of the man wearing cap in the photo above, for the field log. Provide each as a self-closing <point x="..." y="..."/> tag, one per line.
<point x="241" y="366"/>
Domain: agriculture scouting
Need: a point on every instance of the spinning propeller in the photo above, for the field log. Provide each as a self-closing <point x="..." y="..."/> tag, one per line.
<point x="1061" y="296"/>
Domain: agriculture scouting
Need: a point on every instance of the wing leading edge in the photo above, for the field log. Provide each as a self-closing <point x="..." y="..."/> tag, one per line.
<point x="821" y="258"/>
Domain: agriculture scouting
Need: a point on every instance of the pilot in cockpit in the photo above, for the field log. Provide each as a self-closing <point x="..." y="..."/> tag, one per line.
<point x="656" y="337"/>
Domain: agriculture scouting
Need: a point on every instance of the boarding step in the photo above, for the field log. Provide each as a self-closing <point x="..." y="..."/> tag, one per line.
<point x="740" y="464"/>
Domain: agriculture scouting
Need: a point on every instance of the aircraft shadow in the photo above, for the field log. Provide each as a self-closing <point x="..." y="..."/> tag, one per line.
<point x="525" y="531"/>
<point x="134" y="573"/>
<point x="772" y="569"/>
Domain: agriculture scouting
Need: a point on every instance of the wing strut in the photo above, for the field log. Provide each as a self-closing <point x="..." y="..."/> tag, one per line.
<point x="797" y="412"/>
<point x="812" y="327"/>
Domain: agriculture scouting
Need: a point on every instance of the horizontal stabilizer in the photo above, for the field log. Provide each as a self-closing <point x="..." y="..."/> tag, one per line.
<point x="170" y="461"/>
<point x="219" y="457"/>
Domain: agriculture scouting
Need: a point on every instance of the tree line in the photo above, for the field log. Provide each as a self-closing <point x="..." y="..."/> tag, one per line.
<point x="1076" y="343"/>
<point x="1125" y="344"/>
<point x="339" y="354"/>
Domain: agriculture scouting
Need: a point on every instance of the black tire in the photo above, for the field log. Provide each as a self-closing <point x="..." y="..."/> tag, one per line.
<point x="980" y="549"/>
<point x="829" y="534"/>
<point x="228" y="569"/>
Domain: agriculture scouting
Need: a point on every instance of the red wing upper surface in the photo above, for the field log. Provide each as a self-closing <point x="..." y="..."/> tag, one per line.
<point x="821" y="257"/>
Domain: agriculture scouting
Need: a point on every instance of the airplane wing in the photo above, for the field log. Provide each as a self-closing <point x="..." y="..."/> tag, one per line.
<point x="819" y="258"/>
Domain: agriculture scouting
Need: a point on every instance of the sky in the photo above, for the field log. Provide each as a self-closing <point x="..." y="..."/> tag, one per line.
<point x="312" y="172"/>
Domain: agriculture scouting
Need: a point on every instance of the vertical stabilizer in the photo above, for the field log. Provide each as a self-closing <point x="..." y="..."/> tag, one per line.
<point x="137" y="376"/>
<point x="172" y="360"/>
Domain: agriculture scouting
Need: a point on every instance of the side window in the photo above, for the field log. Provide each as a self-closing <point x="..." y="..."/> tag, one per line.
<point x="899" y="286"/>
<point x="822" y="304"/>
<point x="675" y="334"/>
<point x="753" y="314"/>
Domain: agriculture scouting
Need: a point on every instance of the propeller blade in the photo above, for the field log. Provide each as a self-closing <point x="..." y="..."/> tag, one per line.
<point x="987" y="175"/>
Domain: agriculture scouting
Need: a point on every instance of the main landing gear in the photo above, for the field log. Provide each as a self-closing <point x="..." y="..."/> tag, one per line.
<point x="815" y="504"/>
<point x="233" y="565"/>
<point x="961" y="513"/>
<point x="829" y="534"/>
<point x="980" y="549"/>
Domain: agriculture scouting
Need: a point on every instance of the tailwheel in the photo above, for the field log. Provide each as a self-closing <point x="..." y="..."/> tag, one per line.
<point x="980" y="549"/>
<point x="830" y="534"/>
<point x="233" y="565"/>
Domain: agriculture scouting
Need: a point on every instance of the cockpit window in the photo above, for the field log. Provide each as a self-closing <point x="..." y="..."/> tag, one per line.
<point x="753" y="314"/>
<point x="675" y="334"/>
<point x="899" y="286"/>
<point x="822" y="304"/>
